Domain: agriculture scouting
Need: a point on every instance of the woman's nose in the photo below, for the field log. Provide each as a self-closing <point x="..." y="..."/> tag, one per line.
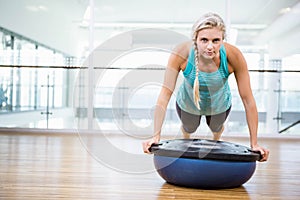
<point x="210" y="45"/>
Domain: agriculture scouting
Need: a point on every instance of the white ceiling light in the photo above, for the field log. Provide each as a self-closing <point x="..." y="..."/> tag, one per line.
<point x="285" y="10"/>
<point x="36" y="8"/>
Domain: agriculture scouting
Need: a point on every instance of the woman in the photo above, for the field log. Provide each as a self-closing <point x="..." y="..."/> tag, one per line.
<point x="206" y="63"/>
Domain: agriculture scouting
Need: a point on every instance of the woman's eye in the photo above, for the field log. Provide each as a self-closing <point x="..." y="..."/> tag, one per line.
<point x="204" y="40"/>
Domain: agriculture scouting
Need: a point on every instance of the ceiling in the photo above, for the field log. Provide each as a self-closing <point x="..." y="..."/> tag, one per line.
<point x="60" y="24"/>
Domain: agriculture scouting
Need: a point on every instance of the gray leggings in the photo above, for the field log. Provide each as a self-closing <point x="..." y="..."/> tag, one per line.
<point x="191" y="122"/>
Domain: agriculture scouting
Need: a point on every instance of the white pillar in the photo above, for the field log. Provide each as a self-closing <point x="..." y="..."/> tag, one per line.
<point x="90" y="107"/>
<point x="228" y="19"/>
<point x="273" y="114"/>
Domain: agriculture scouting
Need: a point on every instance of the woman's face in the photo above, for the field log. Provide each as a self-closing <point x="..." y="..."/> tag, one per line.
<point x="209" y="41"/>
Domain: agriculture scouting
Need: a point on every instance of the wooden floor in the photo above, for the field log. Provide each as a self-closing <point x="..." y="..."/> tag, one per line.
<point x="71" y="166"/>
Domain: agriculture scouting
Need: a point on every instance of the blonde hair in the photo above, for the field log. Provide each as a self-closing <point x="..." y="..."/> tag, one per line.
<point x="208" y="20"/>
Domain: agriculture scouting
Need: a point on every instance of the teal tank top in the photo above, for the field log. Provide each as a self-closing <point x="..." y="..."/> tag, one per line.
<point x="215" y="95"/>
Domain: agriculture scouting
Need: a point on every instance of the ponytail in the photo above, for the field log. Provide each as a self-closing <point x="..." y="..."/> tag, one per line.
<point x="196" y="81"/>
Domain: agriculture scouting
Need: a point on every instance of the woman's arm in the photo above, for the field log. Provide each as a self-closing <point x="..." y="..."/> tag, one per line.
<point x="238" y="65"/>
<point x="176" y="63"/>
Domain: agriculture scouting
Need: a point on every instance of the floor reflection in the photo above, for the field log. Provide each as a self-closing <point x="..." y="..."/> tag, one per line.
<point x="169" y="191"/>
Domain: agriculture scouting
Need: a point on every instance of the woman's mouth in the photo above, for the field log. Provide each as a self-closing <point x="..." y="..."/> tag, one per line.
<point x="209" y="53"/>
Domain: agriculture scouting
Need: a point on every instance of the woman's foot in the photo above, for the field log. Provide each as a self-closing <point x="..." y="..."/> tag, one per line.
<point x="186" y="135"/>
<point x="217" y="135"/>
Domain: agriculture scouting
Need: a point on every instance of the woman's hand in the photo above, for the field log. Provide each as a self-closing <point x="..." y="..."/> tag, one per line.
<point x="264" y="152"/>
<point x="147" y="144"/>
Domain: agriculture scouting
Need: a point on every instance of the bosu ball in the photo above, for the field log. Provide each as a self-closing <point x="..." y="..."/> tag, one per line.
<point x="202" y="163"/>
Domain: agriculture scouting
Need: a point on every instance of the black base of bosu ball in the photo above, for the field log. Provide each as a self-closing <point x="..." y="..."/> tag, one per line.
<point x="204" y="163"/>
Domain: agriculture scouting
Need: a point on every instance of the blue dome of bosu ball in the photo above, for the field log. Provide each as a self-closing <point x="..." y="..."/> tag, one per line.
<point x="204" y="164"/>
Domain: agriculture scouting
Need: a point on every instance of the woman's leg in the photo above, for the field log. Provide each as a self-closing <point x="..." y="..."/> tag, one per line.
<point x="217" y="135"/>
<point x="189" y="122"/>
<point x="216" y="123"/>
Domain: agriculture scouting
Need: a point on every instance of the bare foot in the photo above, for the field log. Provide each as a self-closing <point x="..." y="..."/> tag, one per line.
<point x="186" y="135"/>
<point x="217" y="135"/>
